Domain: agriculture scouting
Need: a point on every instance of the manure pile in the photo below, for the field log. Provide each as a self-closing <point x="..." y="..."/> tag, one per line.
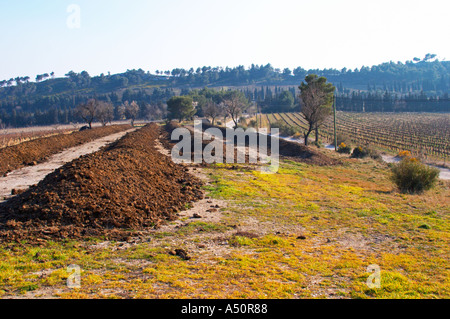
<point x="126" y="187"/>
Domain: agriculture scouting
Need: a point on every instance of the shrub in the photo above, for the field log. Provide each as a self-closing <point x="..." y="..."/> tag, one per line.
<point x="359" y="152"/>
<point x="373" y="153"/>
<point x="242" y="120"/>
<point x="362" y="152"/>
<point x="297" y="135"/>
<point x="412" y="176"/>
<point x="403" y="154"/>
<point x="344" y="149"/>
<point x="253" y="123"/>
<point x="343" y="138"/>
<point x="285" y="129"/>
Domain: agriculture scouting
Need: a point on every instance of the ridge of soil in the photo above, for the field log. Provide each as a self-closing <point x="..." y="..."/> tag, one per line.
<point x="38" y="150"/>
<point x="301" y="153"/>
<point x="287" y="149"/>
<point x="114" y="193"/>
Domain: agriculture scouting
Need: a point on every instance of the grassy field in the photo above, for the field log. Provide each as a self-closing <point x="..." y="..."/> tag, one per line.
<point x="305" y="232"/>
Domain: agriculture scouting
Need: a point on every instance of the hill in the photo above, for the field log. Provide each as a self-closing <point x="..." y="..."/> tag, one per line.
<point x="50" y="100"/>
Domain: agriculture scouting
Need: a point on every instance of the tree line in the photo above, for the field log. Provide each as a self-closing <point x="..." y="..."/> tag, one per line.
<point x="358" y="101"/>
<point x="51" y="110"/>
<point x="264" y="99"/>
<point x="419" y="85"/>
<point x="286" y="99"/>
<point x="428" y="75"/>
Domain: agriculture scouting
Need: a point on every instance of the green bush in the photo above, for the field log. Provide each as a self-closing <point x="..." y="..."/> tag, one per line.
<point x="412" y="176"/>
<point x="285" y="129"/>
<point x="363" y="152"/>
<point x="344" y="149"/>
<point x="359" y="152"/>
<point x="343" y="138"/>
<point x="253" y="123"/>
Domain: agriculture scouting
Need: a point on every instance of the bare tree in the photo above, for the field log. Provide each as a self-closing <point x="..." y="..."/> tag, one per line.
<point x="235" y="103"/>
<point x="154" y="111"/>
<point x="87" y="111"/>
<point x="120" y="112"/>
<point x="212" y="110"/>
<point x="317" y="97"/>
<point x="105" y="112"/>
<point x="131" y="111"/>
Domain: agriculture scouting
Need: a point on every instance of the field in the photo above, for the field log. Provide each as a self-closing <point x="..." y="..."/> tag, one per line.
<point x="139" y="226"/>
<point x="425" y="135"/>
<point x="38" y="148"/>
<point x="15" y="137"/>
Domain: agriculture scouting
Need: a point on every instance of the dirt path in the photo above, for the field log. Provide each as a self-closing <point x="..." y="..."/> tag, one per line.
<point x="25" y="177"/>
<point x="205" y="209"/>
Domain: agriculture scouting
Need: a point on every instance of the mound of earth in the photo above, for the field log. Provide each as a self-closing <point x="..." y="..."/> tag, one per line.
<point x="168" y="143"/>
<point x="301" y="153"/>
<point x="293" y="151"/>
<point x="128" y="186"/>
<point x="38" y="150"/>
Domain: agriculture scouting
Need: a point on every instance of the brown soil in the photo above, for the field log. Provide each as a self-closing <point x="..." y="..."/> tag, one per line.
<point x="301" y="153"/>
<point x="168" y="143"/>
<point x="38" y="150"/>
<point x="126" y="187"/>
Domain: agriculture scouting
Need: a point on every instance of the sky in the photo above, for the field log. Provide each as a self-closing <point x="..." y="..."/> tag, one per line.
<point x="99" y="36"/>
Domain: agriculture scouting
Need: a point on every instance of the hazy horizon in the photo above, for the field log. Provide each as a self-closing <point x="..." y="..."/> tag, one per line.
<point x="114" y="36"/>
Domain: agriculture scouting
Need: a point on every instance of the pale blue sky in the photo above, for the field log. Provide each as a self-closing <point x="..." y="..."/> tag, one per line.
<point x="161" y="35"/>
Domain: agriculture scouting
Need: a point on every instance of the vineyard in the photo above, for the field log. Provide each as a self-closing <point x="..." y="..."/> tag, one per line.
<point x="15" y="138"/>
<point x="425" y="134"/>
